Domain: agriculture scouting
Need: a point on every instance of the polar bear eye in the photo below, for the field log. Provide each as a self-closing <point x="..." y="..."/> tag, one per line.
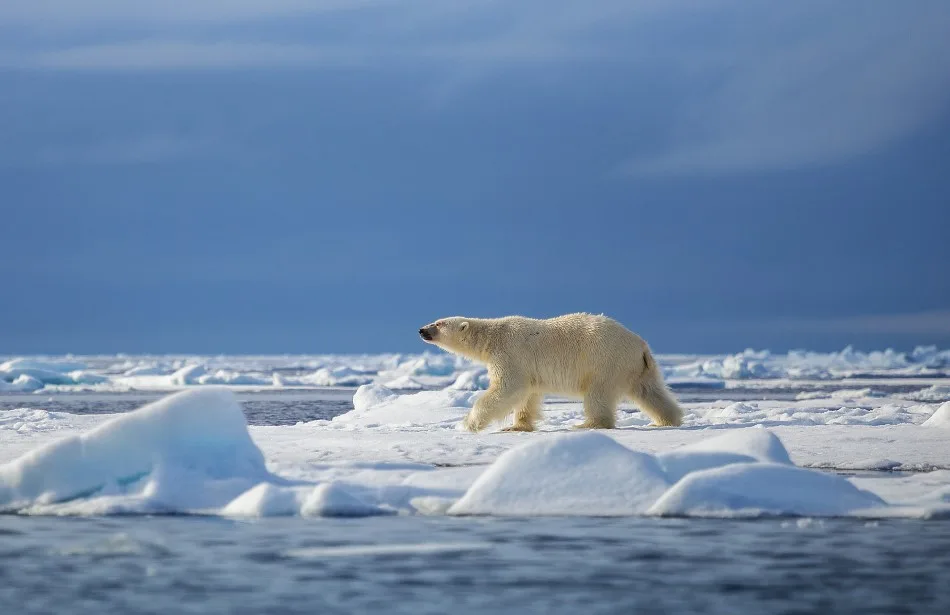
<point x="440" y="324"/>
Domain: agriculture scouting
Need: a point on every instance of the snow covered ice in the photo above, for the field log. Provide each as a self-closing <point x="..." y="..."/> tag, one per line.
<point x="401" y="451"/>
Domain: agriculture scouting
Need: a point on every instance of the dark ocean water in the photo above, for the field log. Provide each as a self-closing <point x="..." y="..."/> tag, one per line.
<point x="443" y="565"/>
<point x="270" y="408"/>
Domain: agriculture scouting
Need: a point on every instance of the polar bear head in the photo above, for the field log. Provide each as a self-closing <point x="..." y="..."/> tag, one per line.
<point x="449" y="333"/>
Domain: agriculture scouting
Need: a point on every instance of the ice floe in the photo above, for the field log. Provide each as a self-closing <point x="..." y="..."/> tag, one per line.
<point x="192" y="452"/>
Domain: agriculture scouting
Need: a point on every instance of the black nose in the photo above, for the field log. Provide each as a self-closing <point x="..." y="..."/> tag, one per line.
<point x="425" y="334"/>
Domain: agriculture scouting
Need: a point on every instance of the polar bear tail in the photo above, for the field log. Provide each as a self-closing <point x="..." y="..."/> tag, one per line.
<point x="654" y="398"/>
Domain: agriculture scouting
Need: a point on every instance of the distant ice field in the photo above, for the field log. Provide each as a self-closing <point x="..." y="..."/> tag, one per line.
<point x="799" y="370"/>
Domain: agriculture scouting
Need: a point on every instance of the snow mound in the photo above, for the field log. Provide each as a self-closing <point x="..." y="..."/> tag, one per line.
<point x="375" y="406"/>
<point x="940" y="418"/>
<point x="739" y="446"/>
<point x="756" y="489"/>
<point x="370" y="395"/>
<point x="570" y="474"/>
<point x="199" y="433"/>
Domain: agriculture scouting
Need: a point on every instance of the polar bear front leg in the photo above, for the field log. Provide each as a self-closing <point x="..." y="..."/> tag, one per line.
<point x="527" y="416"/>
<point x="494" y="405"/>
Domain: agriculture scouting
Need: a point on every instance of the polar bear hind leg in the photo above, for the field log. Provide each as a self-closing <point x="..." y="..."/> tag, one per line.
<point x="600" y="408"/>
<point x="655" y="400"/>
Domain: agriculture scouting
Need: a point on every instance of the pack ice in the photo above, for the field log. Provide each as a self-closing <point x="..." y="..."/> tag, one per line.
<point x="192" y="452"/>
<point x="437" y="371"/>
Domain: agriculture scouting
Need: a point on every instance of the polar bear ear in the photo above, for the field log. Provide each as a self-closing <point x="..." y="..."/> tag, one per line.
<point x="463" y="326"/>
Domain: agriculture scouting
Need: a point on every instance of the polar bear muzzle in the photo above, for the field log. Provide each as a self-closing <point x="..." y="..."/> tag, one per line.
<point x="428" y="332"/>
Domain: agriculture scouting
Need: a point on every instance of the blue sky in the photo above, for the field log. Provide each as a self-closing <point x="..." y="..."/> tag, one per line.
<point x="237" y="176"/>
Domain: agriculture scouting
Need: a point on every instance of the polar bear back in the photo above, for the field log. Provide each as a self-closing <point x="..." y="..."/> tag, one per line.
<point x="565" y="354"/>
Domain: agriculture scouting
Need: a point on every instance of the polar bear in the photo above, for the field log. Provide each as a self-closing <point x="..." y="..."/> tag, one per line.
<point x="581" y="355"/>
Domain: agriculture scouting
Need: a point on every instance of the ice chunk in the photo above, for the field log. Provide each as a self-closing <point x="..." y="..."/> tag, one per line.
<point x="150" y="369"/>
<point x="201" y="431"/>
<point x="755" y="489"/>
<point x="228" y="377"/>
<point x="187" y="375"/>
<point x="323" y="500"/>
<point x="333" y="500"/>
<point x="370" y="395"/>
<point x="430" y="365"/>
<point x="940" y="418"/>
<point x="472" y="380"/>
<point x="47" y="372"/>
<point x="266" y="500"/>
<point x="21" y="384"/>
<point x="936" y="392"/>
<point x="341" y="376"/>
<point x="404" y="382"/>
<point x="81" y="376"/>
<point x="376" y="405"/>
<point x="568" y="474"/>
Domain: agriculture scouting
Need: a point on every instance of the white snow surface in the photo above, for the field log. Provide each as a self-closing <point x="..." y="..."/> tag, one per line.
<point x="427" y="370"/>
<point x="403" y="453"/>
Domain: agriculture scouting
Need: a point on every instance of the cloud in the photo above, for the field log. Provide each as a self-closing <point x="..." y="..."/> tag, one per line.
<point x="749" y="86"/>
<point x="810" y="88"/>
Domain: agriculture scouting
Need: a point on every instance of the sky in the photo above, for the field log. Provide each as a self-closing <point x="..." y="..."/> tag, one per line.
<point x="234" y="176"/>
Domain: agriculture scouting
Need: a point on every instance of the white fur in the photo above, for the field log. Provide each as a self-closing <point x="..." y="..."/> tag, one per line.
<point x="593" y="357"/>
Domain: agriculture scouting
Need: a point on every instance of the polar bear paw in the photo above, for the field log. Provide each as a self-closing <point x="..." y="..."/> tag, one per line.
<point x="471" y="424"/>
<point x="519" y="427"/>
<point x="589" y="424"/>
